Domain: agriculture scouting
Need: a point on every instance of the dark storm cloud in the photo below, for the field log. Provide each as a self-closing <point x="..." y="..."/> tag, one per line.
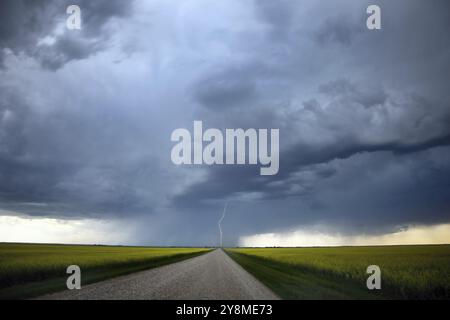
<point x="342" y="88"/>
<point x="23" y="23"/>
<point x="340" y="30"/>
<point x="364" y="116"/>
<point x="349" y="119"/>
<point x="66" y="50"/>
<point x="382" y="191"/>
<point x="20" y="22"/>
<point x="278" y="15"/>
<point x="68" y="163"/>
<point x="346" y="122"/>
<point x="225" y="90"/>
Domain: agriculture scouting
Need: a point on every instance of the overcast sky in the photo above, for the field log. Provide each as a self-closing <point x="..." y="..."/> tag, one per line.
<point x="86" y="116"/>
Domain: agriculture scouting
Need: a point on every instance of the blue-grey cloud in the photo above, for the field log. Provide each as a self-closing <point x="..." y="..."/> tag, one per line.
<point x="364" y="116"/>
<point x="24" y="24"/>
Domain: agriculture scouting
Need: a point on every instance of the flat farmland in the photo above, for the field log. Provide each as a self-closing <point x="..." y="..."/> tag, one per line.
<point x="407" y="272"/>
<point x="27" y="270"/>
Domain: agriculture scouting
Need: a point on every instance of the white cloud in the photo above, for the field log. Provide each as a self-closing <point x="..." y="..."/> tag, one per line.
<point x="437" y="234"/>
<point x="45" y="230"/>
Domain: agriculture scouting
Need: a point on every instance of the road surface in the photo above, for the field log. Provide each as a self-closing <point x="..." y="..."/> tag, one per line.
<point x="213" y="276"/>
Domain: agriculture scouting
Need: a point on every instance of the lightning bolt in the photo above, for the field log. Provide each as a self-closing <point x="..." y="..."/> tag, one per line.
<point x="220" y="221"/>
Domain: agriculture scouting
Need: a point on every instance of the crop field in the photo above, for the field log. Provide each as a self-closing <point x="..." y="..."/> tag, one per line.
<point x="407" y="272"/>
<point x="28" y="270"/>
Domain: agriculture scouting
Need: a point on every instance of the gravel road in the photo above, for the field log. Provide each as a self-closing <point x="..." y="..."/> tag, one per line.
<point x="212" y="276"/>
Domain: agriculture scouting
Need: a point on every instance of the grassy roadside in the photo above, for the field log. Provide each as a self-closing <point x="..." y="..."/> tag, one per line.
<point x="30" y="270"/>
<point x="292" y="283"/>
<point x="408" y="272"/>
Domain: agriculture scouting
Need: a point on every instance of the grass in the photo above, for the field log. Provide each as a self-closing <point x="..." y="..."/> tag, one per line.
<point x="28" y="270"/>
<point x="407" y="272"/>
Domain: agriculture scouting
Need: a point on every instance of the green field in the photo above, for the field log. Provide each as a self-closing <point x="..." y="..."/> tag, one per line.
<point x="407" y="272"/>
<point x="27" y="270"/>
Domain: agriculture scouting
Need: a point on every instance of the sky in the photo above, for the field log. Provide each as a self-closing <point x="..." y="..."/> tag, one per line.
<point x="86" y="118"/>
